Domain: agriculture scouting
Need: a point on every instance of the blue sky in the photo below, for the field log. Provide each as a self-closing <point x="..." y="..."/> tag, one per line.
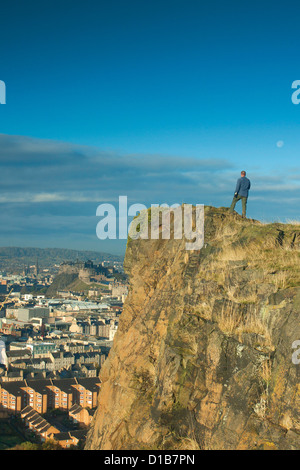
<point x="162" y="101"/>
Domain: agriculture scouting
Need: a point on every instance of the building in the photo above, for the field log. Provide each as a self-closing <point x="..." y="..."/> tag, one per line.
<point x="62" y="360"/>
<point x="14" y="376"/>
<point x="11" y="396"/>
<point x="27" y="297"/>
<point x="37" y="424"/>
<point x="89" y="358"/>
<point x="18" y="354"/>
<point x="70" y="438"/>
<point x="47" y="394"/>
<point x="35" y="394"/>
<point x="75" y="348"/>
<point x="61" y="394"/>
<point x="41" y="348"/>
<point x="80" y="415"/>
<point x="119" y="290"/>
<point x="3" y="355"/>
<point x="26" y="314"/>
<point x="87" y="389"/>
<point x="87" y="370"/>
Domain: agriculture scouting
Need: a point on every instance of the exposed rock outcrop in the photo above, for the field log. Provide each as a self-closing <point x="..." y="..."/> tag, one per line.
<point x="202" y="358"/>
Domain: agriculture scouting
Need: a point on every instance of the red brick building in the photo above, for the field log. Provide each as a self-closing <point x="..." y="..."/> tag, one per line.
<point x="46" y="394"/>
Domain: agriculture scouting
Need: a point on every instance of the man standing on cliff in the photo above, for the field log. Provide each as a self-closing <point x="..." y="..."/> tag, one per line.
<point x="241" y="192"/>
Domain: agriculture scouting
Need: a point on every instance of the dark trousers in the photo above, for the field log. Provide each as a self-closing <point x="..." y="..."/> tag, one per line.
<point x="244" y="203"/>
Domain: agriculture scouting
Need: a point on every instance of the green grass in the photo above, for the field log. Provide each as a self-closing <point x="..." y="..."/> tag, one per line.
<point x="8" y="436"/>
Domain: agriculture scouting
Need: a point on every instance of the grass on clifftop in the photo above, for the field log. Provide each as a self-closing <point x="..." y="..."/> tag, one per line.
<point x="249" y="261"/>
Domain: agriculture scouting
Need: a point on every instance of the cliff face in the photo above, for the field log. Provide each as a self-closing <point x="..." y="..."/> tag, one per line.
<point x="203" y="355"/>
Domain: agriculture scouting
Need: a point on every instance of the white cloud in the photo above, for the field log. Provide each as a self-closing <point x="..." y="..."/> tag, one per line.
<point x="52" y="189"/>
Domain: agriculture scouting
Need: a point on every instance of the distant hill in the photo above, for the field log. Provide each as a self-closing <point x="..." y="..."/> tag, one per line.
<point x="16" y="257"/>
<point x="63" y="282"/>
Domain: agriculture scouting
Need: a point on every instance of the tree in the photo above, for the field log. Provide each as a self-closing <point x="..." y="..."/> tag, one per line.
<point x="26" y="446"/>
<point x="50" y="444"/>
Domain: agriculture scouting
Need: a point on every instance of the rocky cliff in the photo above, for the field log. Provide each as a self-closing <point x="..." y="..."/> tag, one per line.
<point x="203" y="355"/>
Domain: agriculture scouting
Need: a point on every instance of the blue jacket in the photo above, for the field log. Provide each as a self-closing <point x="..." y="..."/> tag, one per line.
<point x="242" y="186"/>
